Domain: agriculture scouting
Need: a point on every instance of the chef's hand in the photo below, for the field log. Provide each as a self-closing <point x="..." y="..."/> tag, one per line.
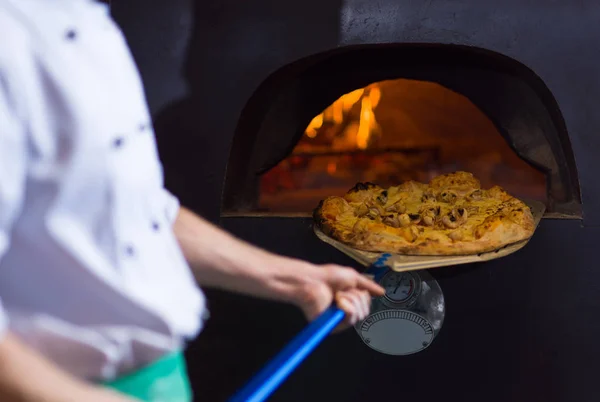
<point x="222" y="261"/>
<point x="351" y="291"/>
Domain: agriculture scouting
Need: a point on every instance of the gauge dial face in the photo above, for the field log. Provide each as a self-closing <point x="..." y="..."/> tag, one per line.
<point x="399" y="286"/>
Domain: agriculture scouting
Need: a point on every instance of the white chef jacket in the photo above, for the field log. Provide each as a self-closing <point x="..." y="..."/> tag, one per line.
<point x="91" y="274"/>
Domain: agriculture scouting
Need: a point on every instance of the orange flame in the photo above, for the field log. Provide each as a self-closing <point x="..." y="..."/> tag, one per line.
<point x="369" y="99"/>
<point x="367" y="118"/>
<point x="351" y="98"/>
<point x="315" y="124"/>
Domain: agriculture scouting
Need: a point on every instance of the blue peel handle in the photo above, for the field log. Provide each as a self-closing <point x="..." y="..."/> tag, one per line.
<point x="281" y="366"/>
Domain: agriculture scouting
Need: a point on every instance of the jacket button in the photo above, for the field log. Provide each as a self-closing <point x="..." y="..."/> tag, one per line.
<point x="129" y="251"/>
<point x="118" y="142"/>
<point x="155" y="226"/>
<point x="71" y="34"/>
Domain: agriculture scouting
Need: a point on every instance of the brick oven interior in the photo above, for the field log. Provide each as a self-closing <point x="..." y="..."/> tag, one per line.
<point x="233" y="87"/>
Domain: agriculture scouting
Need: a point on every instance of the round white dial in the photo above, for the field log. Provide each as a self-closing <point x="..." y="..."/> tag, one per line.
<point x="399" y="286"/>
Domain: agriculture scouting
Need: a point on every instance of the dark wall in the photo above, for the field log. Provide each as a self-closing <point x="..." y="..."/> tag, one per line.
<point x="158" y="36"/>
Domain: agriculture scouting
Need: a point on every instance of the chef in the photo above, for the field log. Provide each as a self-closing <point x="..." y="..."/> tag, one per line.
<point x="99" y="263"/>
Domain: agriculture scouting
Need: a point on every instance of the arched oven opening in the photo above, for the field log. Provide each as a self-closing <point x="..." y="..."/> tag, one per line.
<point x="389" y="113"/>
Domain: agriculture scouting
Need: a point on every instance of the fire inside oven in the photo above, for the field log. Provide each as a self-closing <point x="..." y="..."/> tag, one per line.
<point x="389" y="132"/>
<point x="390" y="113"/>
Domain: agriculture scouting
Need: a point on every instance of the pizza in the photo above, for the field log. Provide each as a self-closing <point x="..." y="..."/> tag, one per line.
<point x="452" y="215"/>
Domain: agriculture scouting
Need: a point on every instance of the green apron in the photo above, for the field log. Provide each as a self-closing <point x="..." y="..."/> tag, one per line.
<point x="165" y="380"/>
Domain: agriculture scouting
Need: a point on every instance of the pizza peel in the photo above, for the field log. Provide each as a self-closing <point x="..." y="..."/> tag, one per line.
<point x="401" y="262"/>
<point x="279" y="368"/>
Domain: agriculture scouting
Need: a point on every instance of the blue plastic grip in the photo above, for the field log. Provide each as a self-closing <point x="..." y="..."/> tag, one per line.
<point x="281" y="366"/>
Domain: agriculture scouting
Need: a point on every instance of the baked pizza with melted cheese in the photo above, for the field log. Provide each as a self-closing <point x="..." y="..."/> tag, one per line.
<point x="452" y="215"/>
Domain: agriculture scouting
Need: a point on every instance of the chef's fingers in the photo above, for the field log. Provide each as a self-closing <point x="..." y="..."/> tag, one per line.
<point x="366" y="303"/>
<point x="346" y="304"/>
<point x="363" y="300"/>
<point x="342" y="278"/>
<point x="355" y="303"/>
<point x="367" y="284"/>
<point x="350" y="303"/>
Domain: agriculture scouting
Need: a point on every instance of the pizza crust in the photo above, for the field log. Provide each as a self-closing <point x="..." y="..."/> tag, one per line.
<point x="451" y="215"/>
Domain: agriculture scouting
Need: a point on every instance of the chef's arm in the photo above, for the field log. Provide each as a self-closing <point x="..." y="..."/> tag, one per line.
<point x="26" y="376"/>
<point x="220" y="260"/>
